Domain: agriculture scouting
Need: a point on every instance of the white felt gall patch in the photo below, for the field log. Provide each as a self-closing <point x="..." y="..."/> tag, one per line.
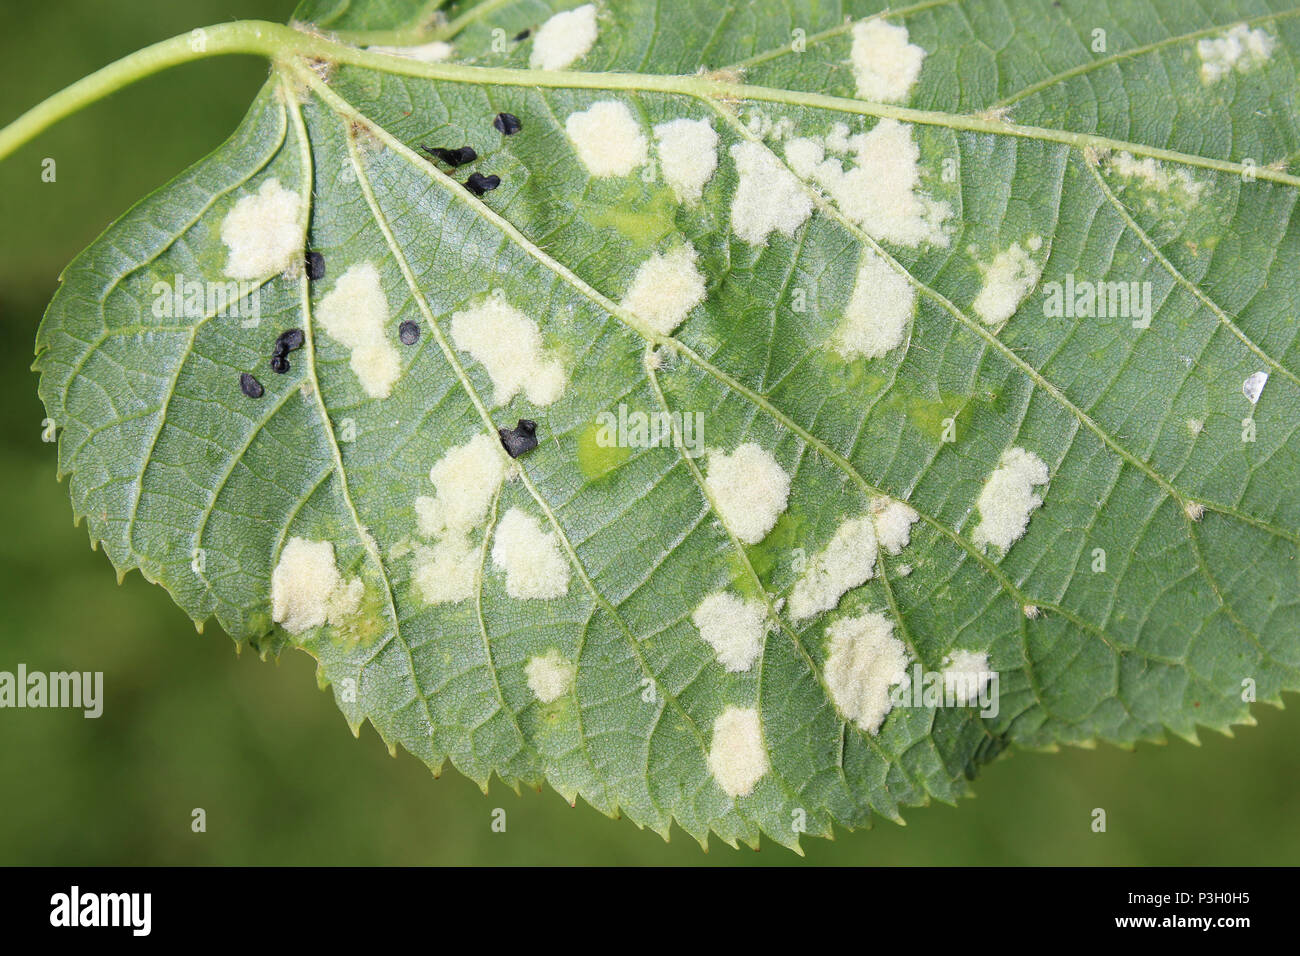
<point x="864" y="661"/>
<point x="307" y="589"/>
<point x="1240" y="48"/>
<point x="804" y="156"/>
<point x="878" y="313"/>
<point x="882" y="191"/>
<point x="894" y="520"/>
<point x="665" y="289"/>
<point x="749" y="488"/>
<point x="885" y="65"/>
<point x="446" y="572"/>
<point x="466" y="479"/>
<point x="264" y="232"/>
<point x="607" y="139"/>
<point x="733" y="627"/>
<point x="1008" y="499"/>
<point x="1008" y="279"/>
<point x="837" y="140"/>
<point x="355" y="314"/>
<point x="737" y="755"/>
<point x="966" y="674"/>
<point x="846" y="562"/>
<point x="769" y="198"/>
<point x="688" y="156"/>
<point x="508" y="344"/>
<point x="564" y="39"/>
<point x="550" y="676"/>
<point x="531" y="558"/>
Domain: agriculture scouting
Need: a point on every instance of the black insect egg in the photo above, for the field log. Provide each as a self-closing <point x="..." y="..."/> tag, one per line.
<point x="452" y="157"/>
<point x="479" y="184"/>
<point x="289" y="341"/>
<point x="520" y="439"/>
<point x="250" y="386"/>
<point x="315" y="266"/>
<point x="507" y="123"/>
<point x="409" y="332"/>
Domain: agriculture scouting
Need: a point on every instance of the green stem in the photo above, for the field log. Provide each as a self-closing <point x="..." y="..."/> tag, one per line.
<point x="248" y="36"/>
<point x="281" y="44"/>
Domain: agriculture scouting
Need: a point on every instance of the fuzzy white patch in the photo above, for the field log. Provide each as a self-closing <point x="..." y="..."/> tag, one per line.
<point x="864" y="661"/>
<point x="564" y="39"/>
<point x="508" y="344"/>
<point x="355" y="314"/>
<point x="1010" y="277"/>
<point x="837" y="140"/>
<point x="885" y="65"/>
<point x="882" y="305"/>
<point x="607" y="139"/>
<point x="1240" y="49"/>
<point x="966" y="674"/>
<point x="894" y="520"/>
<point x="434" y="52"/>
<point x="466" y="479"/>
<point x="445" y="572"/>
<point x="846" y="562"/>
<point x="688" y="156"/>
<point x="738" y="756"/>
<point x="264" y="232"/>
<point x="665" y="289"/>
<point x="307" y="589"/>
<point x="1007" y="499"/>
<point x="531" y="558"/>
<point x="881" y="193"/>
<point x="550" y="676"/>
<point x="733" y="627"/>
<point x="1151" y="173"/>
<point x="805" y="155"/>
<point x="769" y="198"/>
<point x="750" y="489"/>
<point x="1253" y="386"/>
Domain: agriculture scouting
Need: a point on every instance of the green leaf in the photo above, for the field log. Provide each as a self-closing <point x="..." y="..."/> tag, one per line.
<point x="551" y="627"/>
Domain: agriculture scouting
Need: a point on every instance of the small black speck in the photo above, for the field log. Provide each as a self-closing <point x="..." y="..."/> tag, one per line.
<point x="523" y="35"/>
<point x="289" y="341"/>
<point x="479" y="184"/>
<point x="409" y="332"/>
<point x="315" y="266"/>
<point x="452" y="157"/>
<point x="279" y="364"/>
<point x="250" y="386"/>
<point x="520" y="439"/>
<point x="507" y="123"/>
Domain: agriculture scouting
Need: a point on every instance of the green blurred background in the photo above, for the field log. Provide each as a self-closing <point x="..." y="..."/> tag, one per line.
<point x="188" y="724"/>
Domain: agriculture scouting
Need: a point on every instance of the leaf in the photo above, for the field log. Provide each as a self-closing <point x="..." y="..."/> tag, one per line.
<point x="1154" y="590"/>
